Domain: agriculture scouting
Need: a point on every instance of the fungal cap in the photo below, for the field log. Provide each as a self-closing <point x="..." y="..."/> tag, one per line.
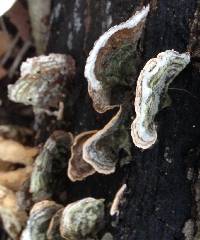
<point x="39" y="219"/>
<point x="116" y="35"/>
<point x="78" y="169"/>
<point x="42" y="80"/>
<point x="102" y="149"/>
<point x="49" y="162"/>
<point x="82" y="219"/>
<point x="152" y="86"/>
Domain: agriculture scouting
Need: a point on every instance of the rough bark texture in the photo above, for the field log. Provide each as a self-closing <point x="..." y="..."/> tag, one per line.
<point x="161" y="181"/>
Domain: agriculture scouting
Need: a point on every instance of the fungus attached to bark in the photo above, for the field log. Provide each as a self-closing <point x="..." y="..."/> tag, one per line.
<point x="151" y="93"/>
<point x="113" y="62"/>
<point x="13" y="218"/>
<point x="42" y="81"/>
<point x="82" y="219"/>
<point x="103" y="150"/>
<point x="50" y="163"/>
<point x="39" y="219"/>
<point x="78" y="169"/>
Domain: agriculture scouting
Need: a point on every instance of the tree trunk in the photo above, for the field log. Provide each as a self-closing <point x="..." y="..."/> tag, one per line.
<point x="162" y="197"/>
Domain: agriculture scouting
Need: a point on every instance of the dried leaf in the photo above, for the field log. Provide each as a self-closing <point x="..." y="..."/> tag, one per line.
<point x="14" y="179"/>
<point x="6" y="166"/>
<point x="15" y="152"/>
<point x="13" y="218"/>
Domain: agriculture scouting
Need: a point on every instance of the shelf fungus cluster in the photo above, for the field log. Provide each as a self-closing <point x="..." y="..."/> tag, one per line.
<point x="43" y="81"/>
<point x="79" y="220"/>
<point x="151" y="93"/>
<point x="39" y="219"/>
<point x="111" y="71"/>
<point x="91" y="152"/>
<point x="113" y="60"/>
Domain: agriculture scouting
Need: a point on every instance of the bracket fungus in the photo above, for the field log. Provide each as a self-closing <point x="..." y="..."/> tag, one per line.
<point x="112" y="62"/>
<point x="42" y="81"/>
<point x="13" y="218"/>
<point x="114" y="210"/>
<point x="82" y="219"/>
<point x="78" y="169"/>
<point x="102" y="150"/>
<point x="39" y="219"/>
<point x="151" y="92"/>
<point x="50" y="163"/>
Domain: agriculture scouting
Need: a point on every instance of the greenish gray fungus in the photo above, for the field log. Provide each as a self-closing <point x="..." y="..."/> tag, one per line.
<point x="82" y="219"/>
<point x="50" y="163"/>
<point x="103" y="156"/>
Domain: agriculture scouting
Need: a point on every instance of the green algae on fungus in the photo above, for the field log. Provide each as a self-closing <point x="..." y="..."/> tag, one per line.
<point x="82" y="219"/>
<point x="112" y="63"/>
<point x="151" y="94"/>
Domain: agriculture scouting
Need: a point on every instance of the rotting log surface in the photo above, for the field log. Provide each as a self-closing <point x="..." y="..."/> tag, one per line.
<point x="160" y="196"/>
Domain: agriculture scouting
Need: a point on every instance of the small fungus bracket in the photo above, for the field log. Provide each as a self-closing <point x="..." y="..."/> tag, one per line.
<point x="112" y="63"/>
<point x="151" y="93"/>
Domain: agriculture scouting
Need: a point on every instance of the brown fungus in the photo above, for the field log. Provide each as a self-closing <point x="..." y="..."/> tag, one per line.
<point x="103" y="149"/>
<point x="13" y="218"/>
<point x="78" y="169"/>
<point x="42" y="81"/>
<point x="39" y="219"/>
<point x="113" y="62"/>
<point x="50" y="163"/>
<point x="82" y="219"/>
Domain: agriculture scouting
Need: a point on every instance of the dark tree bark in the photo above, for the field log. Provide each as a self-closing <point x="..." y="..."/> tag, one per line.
<point x="162" y="182"/>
